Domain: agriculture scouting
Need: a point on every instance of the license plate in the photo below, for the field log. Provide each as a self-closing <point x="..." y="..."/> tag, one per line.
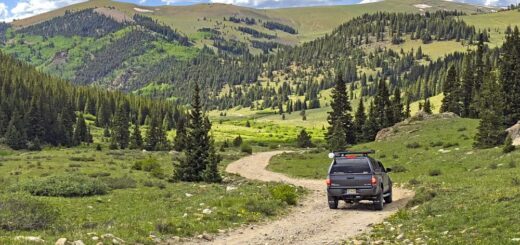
<point x="351" y="191"/>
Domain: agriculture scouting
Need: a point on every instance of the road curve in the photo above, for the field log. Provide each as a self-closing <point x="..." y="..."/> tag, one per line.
<point x="312" y="222"/>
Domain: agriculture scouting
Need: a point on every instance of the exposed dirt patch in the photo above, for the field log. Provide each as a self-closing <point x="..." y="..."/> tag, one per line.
<point x="311" y="222"/>
<point x="114" y="14"/>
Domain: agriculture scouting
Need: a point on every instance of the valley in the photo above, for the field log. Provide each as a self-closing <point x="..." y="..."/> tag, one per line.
<point x="211" y="123"/>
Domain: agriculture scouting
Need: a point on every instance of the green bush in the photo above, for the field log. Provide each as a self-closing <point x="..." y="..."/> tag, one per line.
<point x="124" y="182"/>
<point x="265" y="207"/>
<point x="23" y="212"/>
<point x="82" y="159"/>
<point x="435" y="172"/>
<point x="150" y="165"/>
<point x="284" y="193"/>
<point x="99" y="174"/>
<point x="246" y="148"/>
<point x="422" y="195"/>
<point x="399" y="169"/>
<point x="413" y="145"/>
<point x="66" y="186"/>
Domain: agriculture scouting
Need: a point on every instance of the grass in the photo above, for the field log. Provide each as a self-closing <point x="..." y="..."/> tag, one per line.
<point x="462" y="194"/>
<point x="112" y="195"/>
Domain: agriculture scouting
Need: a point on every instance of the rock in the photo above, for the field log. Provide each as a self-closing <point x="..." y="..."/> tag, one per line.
<point x="78" y="242"/>
<point x="400" y="236"/>
<point x="95" y="238"/>
<point x="230" y="188"/>
<point x="34" y="239"/>
<point x="107" y="236"/>
<point x="515" y="239"/>
<point x="221" y="231"/>
<point x="207" y="237"/>
<point x="207" y="211"/>
<point x="115" y="241"/>
<point x="61" y="241"/>
<point x="445" y="232"/>
<point x="514" y="132"/>
<point x="99" y="243"/>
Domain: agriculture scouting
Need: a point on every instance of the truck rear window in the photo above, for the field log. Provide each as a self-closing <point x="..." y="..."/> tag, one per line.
<point x="350" y="166"/>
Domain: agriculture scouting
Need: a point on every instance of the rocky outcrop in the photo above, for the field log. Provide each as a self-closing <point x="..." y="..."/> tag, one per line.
<point x="420" y="116"/>
<point x="514" y="132"/>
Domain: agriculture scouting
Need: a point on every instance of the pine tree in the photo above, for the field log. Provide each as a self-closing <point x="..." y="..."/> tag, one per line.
<point x="34" y="121"/>
<point x="155" y="139"/>
<point x="179" y="142"/>
<point x="121" y="125"/>
<point x="371" y="128"/>
<point x="80" y="131"/>
<point x="136" y="139"/>
<point x="237" y="141"/>
<point x="304" y="139"/>
<point x="407" y="110"/>
<point x="508" y="145"/>
<point x="200" y="159"/>
<point x="427" y="107"/>
<point x="15" y="136"/>
<point x="359" y="121"/>
<point x="336" y="140"/>
<point x="382" y="108"/>
<point x="450" y="102"/>
<point x="397" y="106"/>
<point x="510" y="77"/>
<point x="491" y="130"/>
<point x="466" y="91"/>
<point x="340" y="115"/>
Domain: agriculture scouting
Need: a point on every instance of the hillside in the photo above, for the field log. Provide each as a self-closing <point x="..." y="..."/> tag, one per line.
<point x="437" y="160"/>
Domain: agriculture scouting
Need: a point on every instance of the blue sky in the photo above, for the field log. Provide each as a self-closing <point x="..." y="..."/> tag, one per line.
<point x="18" y="9"/>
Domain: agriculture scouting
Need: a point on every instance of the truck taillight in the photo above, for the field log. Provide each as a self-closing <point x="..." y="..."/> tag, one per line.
<point x="327" y="181"/>
<point x="373" y="181"/>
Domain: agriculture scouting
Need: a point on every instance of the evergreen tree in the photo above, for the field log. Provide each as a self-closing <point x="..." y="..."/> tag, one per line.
<point x="155" y="139"/>
<point x="237" y="141"/>
<point x="179" y="142"/>
<point x="450" y="102"/>
<point x="304" y="139"/>
<point x="81" y="133"/>
<point x="340" y="115"/>
<point x="397" y="106"/>
<point x="371" y="128"/>
<point x="427" y="107"/>
<point x="359" y="121"/>
<point x="407" y="111"/>
<point x="382" y="108"/>
<point x="508" y="145"/>
<point x="336" y="139"/>
<point x="510" y="77"/>
<point x="467" y="88"/>
<point x="136" y="139"/>
<point x="491" y="128"/>
<point x="121" y="125"/>
<point x="200" y="158"/>
<point x="15" y="136"/>
<point x="34" y="121"/>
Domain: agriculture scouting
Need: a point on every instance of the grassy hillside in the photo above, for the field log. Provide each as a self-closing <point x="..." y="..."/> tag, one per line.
<point x="462" y="194"/>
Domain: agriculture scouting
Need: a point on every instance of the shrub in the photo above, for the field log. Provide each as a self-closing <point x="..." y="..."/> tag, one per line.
<point x="66" y="186"/>
<point x="512" y="164"/>
<point x="237" y="141"/>
<point x="436" y="144"/>
<point x="399" y="169"/>
<point x="434" y="172"/>
<point x="421" y="196"/>
<point x="515" y="181"/>
<point x="246" y="148"/>
<point x="98" y="147"/>
<point x="414" y="182"/>
<point x="493" y="166"/>
<point x="99" y="174"/>
<point x="23" y="212"/>
<point x="124" y="182"/>
<point x="448" y="145"/>
<point x="265" y="207"/>
<point x="284" y="193"/>
<point x="413" y="145"/>
<point x="150" y="165"/>
<point x="508" y="145"/>
<point x="82" y="159"/>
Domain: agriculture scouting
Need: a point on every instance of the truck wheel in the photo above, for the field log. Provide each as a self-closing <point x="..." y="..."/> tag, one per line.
<point x="333" y="202"/>
<point x="388" y="199"/>
<point x="378" y="203"/>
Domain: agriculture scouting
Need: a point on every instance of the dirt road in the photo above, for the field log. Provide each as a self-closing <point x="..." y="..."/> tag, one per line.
<point x="312" y="222"/>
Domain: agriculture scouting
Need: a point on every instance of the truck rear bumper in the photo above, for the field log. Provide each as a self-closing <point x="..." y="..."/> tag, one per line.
<point x="348" y="193"/>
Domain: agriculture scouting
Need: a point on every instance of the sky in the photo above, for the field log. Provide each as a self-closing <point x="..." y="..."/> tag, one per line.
<point x="19" y="9"/>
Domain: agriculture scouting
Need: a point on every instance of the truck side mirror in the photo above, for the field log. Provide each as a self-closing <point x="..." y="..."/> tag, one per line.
<point x="388" y="170"/>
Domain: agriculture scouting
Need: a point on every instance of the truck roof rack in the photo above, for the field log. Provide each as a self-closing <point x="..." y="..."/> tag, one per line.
<point x="346" y="153"/>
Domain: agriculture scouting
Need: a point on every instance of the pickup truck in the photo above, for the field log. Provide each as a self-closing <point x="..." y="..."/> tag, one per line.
<point x="354" y="176"/>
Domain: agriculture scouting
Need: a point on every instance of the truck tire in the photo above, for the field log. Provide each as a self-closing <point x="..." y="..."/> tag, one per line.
<point x="388" y="199"/>
<point x="333" y="202"/>
<point x="379" y="202"/>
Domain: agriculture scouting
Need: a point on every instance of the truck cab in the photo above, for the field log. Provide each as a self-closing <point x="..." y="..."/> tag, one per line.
<point x="354" y="176"/>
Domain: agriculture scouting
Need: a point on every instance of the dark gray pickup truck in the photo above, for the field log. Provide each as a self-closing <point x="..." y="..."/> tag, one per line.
<point x="354" y="176"/>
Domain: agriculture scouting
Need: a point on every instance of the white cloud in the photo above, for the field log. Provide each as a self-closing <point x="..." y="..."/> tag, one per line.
<point x="370" y="1"/>
<point x="28" y="8"/>
<point x="283" y="3"/>
<point x="4" y="12"/>
<point x="142" y="1"/>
